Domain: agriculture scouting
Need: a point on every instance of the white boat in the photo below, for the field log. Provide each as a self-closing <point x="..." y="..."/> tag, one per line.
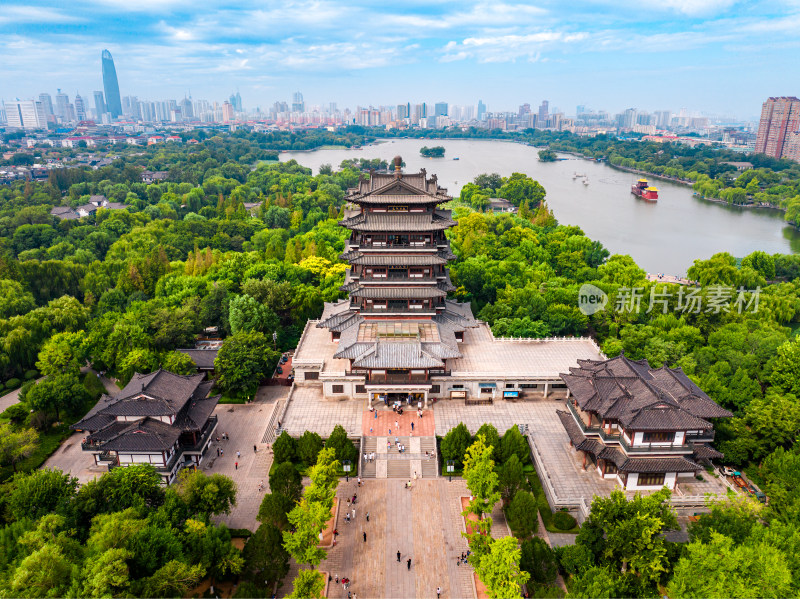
<point x="586" y="181"/>
<point x="577" y="175"/>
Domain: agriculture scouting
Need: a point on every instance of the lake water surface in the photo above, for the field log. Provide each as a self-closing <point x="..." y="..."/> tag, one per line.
<point x="662" y="237"/>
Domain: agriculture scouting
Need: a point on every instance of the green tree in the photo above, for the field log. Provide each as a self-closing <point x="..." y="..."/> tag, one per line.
<point x="510" y="478"/>
<point x="596" y="582"/>
<point x="134" y="486"/>
<point x="307" y="584"/>
<point x="16" y="445"/>
<point x="274" y="510"/>
<point x="205" y="495"/>
<point x="173" y="579"/>
<point x="244" y="359"/>
<point x="455" y="443"/>
<point x="284" y="479"/>
<point x="499" y="569"/>
<point x="481" y="478"/>
<point x="63" y="353"/>
<point x="308" y="446"/>
<point x="523" y="514"/>
<point x="178" y="362"/>
<point x="246" y="314"/>
<point x="285" y="448"/>
<point x="210" y="546"/>
<point x="786" y="367"/>
<point x="107" y="575"/>
<point x="491" y="438"/>
<point x="307" y="520"/>
<point x="57" y="393"/>
<point x="513" y="443"/>
<point x="265" y="556"/>
<point x="41" y="492"/>
<point x="538" y="560"/>
<point x="343" y="447"/>
<point x="721" y="568"/>
<point x="44" y="573"/>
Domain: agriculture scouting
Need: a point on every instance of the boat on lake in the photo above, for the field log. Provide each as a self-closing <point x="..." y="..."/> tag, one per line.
<point x="644" y="191"/>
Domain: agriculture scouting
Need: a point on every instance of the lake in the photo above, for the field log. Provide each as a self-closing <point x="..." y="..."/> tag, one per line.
<point x="666" y="236"/>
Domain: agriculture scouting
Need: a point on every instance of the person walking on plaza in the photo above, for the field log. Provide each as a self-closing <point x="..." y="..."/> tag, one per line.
<point x="359" y="481"/>
<point x="354" y="513"/>
<point x="438" y="592"/>
<point x="398" y="555"/>
<point x="365" y="537"/>
<point x="397" y="425"/>
<point x="408" y="563"/>
<point x="255" y="449"/>
<point x="367" y="516"/>
<point x="237" y="465"/>
<point x="238" y="455"/>
<point x="412" y="426"/>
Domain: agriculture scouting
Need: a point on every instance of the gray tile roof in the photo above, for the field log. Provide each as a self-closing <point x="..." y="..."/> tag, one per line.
<point x="399" y="221"/>
<point x="64" y="213"/>
<point x="202" y="358"/>
<point x="703" y="451"/>
<point x="640" y="397"/>
<point x="397" y="292"/>
<point x="144" y="435"/>
<point x="397" y="354"/>
<point x="394" y="259"/>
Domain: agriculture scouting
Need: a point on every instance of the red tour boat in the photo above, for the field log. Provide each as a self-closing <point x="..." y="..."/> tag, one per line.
<point x="641" y="189"/>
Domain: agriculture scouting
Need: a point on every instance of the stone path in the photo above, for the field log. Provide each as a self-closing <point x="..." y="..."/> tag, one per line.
<point x="308" y="411"/>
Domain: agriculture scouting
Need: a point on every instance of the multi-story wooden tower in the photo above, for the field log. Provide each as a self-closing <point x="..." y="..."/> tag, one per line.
<point x="397" y="326"/>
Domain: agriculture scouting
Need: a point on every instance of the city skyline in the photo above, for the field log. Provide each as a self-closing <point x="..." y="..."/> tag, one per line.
<point x="675" y="54"/>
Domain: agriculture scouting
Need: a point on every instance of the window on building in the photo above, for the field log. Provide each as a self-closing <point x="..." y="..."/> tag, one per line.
<point x="488" y="390"/>
<point x="660" y="437"/>
<point x="434" y="388"/>
<point x="651" y="480"/>
<point x="611" y="468"/>
<point x="361" y="389"/>
<point x="338" y="388"/>
<point x="511" y="385"/>
<point x="528" y="386"/>
<point x="457" y="387"/>
<point x="311" y="376"/>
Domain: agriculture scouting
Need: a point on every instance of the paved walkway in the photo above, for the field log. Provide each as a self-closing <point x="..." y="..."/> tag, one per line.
<point x="380" y="422"/>
<point x="309" y="411"/>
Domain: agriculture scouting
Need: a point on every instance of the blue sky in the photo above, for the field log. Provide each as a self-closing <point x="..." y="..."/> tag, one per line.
<point x="715" y="56"/>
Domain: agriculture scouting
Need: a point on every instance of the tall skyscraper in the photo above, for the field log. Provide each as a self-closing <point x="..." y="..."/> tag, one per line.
<point x="227" y="112"/>
<point x="186" y="109"/>
<point x="62" y="106"/>
<point x="236" y="101"/>
<point x="544" y="111"/>
<point x="298" y="105"/>
<point x="80" y="107"/>
<point x="780" y="122"/>
<point x="26" y="115"/>
<point x="47" y="101"/>
<point x="99" y="104"/>
<point x="402" y="112"/>
<point x="663" y="118"/>
<point x="111" y="85"/>
<point x="440" y="109"/>
<point x="481" y="110"/>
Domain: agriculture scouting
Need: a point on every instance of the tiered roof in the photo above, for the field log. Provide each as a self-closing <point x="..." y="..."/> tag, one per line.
<point x="640" y="397"/>
<point x="146" y="398"/>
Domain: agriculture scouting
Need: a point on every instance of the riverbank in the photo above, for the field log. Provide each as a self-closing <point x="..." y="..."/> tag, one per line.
<point x="688" y="182"/>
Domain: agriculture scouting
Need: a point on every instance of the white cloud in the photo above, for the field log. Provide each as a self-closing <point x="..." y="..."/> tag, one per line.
<point x="510" y="47"/>
<point x="10" y="15"/>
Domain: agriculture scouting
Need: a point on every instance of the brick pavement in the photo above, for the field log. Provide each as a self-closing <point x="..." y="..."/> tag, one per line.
<point x="308" y="411"/>
<point x="379" y="422"/>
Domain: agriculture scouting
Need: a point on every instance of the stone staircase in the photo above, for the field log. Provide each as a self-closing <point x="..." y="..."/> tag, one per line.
<point x="430" y="468"/>
<point x="368" y="445"/>
<point x="398" y="468"/>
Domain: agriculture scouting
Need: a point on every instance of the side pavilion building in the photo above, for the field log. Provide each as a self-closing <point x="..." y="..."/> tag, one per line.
<point x="397" y="335"/>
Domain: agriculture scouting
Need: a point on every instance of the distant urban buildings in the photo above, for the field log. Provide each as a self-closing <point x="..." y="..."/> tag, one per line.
<point x="779" y="128"/>
<point x="29" y="114"/>
<point x="111" y="85"/>
<point x="297" y="102"/>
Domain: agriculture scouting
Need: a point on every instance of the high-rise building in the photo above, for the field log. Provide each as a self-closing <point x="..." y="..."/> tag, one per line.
<point x="297" y="102"/>
<point x="543" y="110"/>
<point x="780" y="122"/>
<point x="99" y="104"/>
<point x="481" y="110"/>
<point x="47" y="101"/>
<point x="111" y="85"/>
<point x="26" y="115"/>
<point x="227" y="112"/>
<point x="581" y="109"/>
<point x="186" y="108"/>
<point x="130" y="107"/>
<point x="663" y="118"/>
<point x="440" y="109"/>
<point x="80" y="107"/>
<point x="62" y="106"/>
<point x="236" y="101"/>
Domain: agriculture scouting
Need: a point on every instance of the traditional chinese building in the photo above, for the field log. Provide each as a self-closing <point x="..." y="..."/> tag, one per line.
<point x="397" y="334"/>
<point x="643" y="427"/>
<point x="161" y="418"/>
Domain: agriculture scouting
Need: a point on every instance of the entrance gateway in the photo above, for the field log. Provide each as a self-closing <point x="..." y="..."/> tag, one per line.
<point x="390" y="395"/>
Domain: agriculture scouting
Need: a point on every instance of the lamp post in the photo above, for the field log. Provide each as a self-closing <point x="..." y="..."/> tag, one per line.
<point x="346" y="468"/>
<point x="451" y="465"/>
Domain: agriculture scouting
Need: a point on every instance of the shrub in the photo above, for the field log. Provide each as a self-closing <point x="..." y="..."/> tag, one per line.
<point x="13" y="383"/>
<point x="454" y="444"/>
<point x="491" y="438"/>
<point x="16" y="413"/>
<point x="513" y="443"/>
<point x="342" y="446"/>
<point x="30" y="375"/>
<point x="564" y="521"/>
<point x="308" y="446"/>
